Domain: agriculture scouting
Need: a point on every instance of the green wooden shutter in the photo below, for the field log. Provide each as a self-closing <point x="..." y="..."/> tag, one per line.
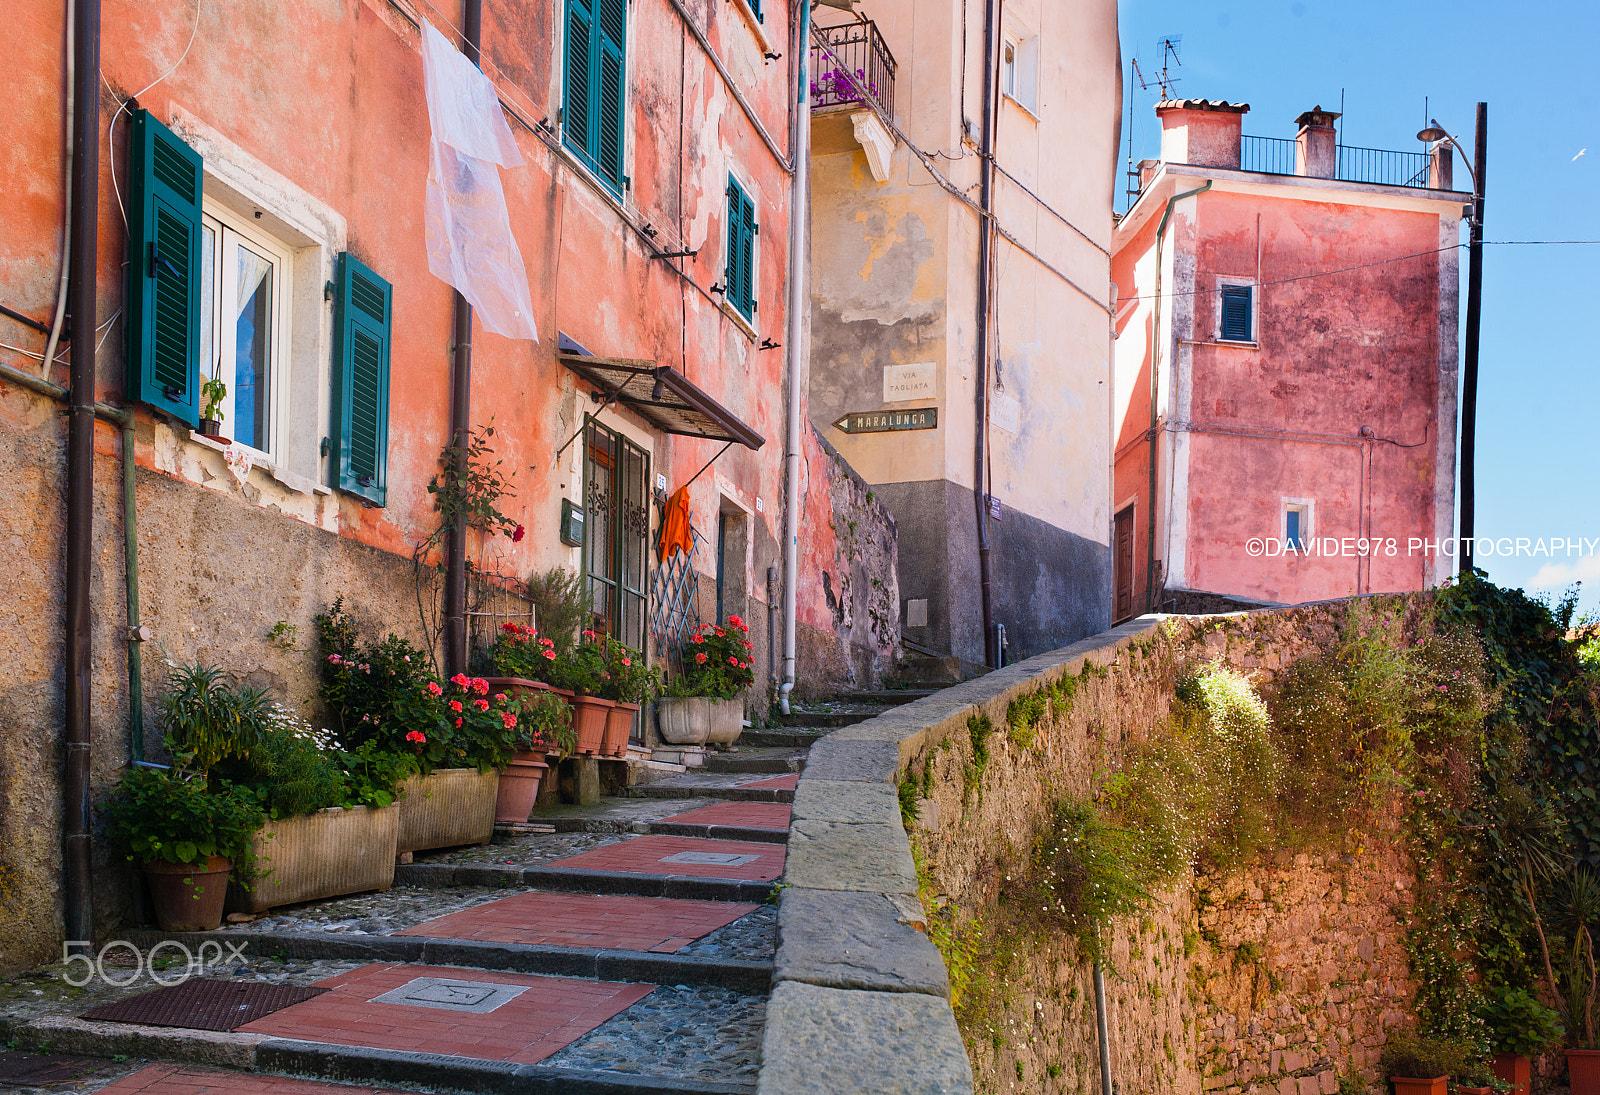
<point x="578" y="95"/>
<point x="1236" y="325"/>
<point x="164" y="271"/>
<point x="609" y="90"/>
<point x="741" y="250"/>
<point x="363" y="304"/>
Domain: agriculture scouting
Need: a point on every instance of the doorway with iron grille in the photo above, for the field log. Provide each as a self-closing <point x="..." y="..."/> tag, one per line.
<point x="616" y="548"/>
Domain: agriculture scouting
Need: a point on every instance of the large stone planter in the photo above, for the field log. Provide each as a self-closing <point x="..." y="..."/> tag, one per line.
<point x="727" y="722"/>
<point x="331" y="852"/>
<point x="683" y="720"/>
<point x="450" y="806"/>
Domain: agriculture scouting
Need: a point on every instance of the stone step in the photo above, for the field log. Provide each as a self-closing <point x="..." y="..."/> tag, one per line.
<point x="576" y="880"/>
<point x="665" y="826"/>
<point x="739" y="974"/>
<point x="889" y="697"/>
<point x="786" y="738"/>
<point x="757" y="761"/>
<point x="246" y="1053"/>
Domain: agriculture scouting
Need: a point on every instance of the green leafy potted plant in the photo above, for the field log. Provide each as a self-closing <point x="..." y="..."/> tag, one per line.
<point x="632" y="683"/>
<point x="187" y="836"/>
<point x="702" y="702"/>
<point x="544" y="723"/>
<point x="1520" y="1028"/>
<point x="1417" y="1065"/>
<point x="213" y="391"/>
<point x="583" y="672"/>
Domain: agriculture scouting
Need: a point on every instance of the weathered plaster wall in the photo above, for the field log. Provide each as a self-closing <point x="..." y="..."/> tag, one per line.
<point x="895" y="272"/>
<point x="1266" y="981"/>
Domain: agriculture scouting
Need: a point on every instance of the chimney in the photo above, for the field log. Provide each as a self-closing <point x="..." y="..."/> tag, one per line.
<point x="1316" y="145"/>
<point x="1202" y="132"/>
<point x="1147" y="171"/>
<point x="1441" y="166"/>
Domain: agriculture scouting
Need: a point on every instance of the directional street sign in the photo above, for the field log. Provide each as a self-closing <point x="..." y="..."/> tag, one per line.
<point x="923" y="418"/>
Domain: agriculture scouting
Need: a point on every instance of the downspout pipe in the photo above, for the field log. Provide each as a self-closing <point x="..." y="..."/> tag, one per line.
<point x="84" y="219"/>
<point x="455" y="574"/>
<point x="980" y="430"/>
<point x="799" y="297"/>
<point x="1155" y="392"/>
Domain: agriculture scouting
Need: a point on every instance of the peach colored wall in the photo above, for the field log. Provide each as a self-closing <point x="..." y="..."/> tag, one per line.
<point x="1209" y="137"/>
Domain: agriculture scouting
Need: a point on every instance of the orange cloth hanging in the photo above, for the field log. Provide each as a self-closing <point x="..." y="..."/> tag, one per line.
<point x="675" y="534"/>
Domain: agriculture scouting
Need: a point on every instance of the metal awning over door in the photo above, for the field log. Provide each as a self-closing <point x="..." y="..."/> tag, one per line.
<point x="662" y="396"/>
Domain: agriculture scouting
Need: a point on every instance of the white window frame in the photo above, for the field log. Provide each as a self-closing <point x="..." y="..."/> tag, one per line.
<point x="1019" y="75"/>
<point x="1307" y="509"/>
<point x="1255" y="311"/>
<point x="229" y="227"/>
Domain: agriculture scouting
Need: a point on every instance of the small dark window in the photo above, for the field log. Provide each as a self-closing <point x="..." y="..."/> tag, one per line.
<point x="1236" y="318"/>
<point x="1296" y="527"/>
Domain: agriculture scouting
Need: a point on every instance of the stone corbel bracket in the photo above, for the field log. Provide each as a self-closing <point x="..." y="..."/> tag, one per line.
<point x="860" y="1002"/>
<point x="876" y="141"/>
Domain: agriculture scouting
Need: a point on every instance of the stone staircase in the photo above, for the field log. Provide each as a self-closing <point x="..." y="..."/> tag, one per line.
<point x="633" y="941"/>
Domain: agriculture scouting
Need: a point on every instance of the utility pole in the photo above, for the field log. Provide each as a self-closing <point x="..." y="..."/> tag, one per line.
<point x="1469" y="382"/>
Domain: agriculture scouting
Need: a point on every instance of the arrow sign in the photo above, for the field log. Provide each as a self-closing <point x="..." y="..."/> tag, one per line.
<point x="923" y="418"/>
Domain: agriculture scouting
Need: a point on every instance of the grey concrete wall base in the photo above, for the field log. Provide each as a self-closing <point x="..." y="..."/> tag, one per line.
<point x="865" y="941"/>
<point x="828" y="1041"/>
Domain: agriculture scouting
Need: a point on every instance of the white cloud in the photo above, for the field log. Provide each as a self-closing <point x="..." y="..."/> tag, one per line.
<point x="1560" y="575"/>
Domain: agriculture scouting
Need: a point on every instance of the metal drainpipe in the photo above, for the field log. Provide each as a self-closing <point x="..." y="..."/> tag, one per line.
<point x="130" y="564"/>
<point x="1155" y="391"/>
<point x="799" y="196"/>
<point x="85" y="259"/>
<point x="1106" y="1087"/>
<point x="455" y="575"/>
<point x="772" y="627"/>
<point x="985" y="259"/>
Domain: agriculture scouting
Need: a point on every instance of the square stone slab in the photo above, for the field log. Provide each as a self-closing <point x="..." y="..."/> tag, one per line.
<point x="710" y="859"/>
<point x="478" y="997"/>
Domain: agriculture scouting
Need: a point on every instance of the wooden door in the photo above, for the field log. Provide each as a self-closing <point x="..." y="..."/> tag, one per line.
<point x="1122" y="565"/>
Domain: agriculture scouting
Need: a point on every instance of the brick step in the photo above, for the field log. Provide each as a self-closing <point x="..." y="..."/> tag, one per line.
<point x="246" y="1055"/>
<point x="797" y="738"/>
<point x="443" y="876"/>
<point x="742" y="975"/>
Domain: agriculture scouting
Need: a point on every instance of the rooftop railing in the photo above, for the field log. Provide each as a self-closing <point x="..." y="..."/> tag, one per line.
<point x="855" y="66"/>
<point x="1277" y="156"/>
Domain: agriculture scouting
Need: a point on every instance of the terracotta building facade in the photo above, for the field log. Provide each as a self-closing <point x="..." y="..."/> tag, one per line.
<point x="1286" y="366"/>
<point x="262" y="210"/>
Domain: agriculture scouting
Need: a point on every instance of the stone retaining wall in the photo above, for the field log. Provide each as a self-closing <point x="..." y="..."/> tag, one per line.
<point x="1273" y="979"/>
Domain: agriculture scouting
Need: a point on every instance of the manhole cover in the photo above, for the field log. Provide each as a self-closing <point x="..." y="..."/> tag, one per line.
<point x="204" y="1004"/>
<point x="33" y="1069"/>
<point x="450" y="995"/>
<point x="711" y="859"/>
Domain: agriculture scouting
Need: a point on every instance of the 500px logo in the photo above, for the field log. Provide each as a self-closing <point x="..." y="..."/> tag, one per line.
<point x="186" y="962"/>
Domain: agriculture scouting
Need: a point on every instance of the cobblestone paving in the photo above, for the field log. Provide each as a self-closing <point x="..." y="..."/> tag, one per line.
<point x="754" y="935"/>
<point x="374" y="913"/>
<point x="524" y="850"/>
<point x="705" y="1033"/>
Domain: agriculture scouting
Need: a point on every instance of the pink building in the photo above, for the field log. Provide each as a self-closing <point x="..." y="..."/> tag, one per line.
<point x="1285" y="365"/>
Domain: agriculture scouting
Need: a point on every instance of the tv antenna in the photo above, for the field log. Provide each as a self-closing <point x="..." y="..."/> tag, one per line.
<point x="1169" y="44"/>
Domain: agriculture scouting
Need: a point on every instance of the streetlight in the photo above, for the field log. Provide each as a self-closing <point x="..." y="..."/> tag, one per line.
<point x="1476" y="168"/>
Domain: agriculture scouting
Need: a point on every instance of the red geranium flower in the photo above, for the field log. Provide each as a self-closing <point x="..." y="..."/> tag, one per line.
<point x="696" y="637"/>
<point x="481" y="705"/>
<point x="455" y="705"/>
<point x="434" y="689"/>
<point x="480" y="686"/>
<point x="516" y="537"/>
<point x="701" y="657"/>
<point x="459" y="679"/>
<point x="509" y="719"/>
<point x="417" y="736"/>
<point x="733" y="660"/>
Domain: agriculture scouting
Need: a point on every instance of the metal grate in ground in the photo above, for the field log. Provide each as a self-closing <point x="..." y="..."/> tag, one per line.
<point x="205" y="1004"/>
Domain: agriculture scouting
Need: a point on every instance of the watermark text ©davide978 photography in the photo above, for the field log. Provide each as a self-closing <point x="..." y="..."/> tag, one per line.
<point x="1482" y="547"/>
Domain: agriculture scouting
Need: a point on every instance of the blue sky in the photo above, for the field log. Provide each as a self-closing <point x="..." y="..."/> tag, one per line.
<point x="1537" y="65"/>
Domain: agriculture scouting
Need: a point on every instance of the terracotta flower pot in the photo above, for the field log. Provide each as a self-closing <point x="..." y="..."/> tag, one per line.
<point x="519" y="786"/>
<point x="1583" y="1071"/>
<point x="589" y="716"/>
<point x="188" y="897"/>
<point x="1474" y="1090"/>
<point x="619" y="725"/>
<point x="1408" y="1085"/>
<point x="1515" y="1070"/>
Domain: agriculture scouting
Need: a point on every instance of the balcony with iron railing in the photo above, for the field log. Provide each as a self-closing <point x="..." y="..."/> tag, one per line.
<point x="1280" y="156"/>
<point x="849" y="65"/>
